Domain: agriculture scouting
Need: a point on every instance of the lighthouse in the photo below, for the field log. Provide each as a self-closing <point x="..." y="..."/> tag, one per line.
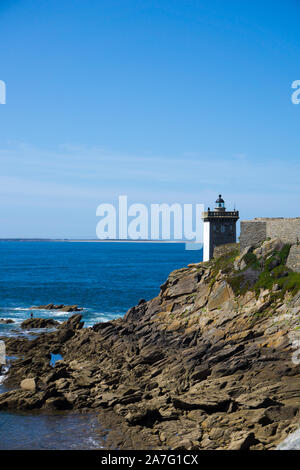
<point x="219" y="227"/>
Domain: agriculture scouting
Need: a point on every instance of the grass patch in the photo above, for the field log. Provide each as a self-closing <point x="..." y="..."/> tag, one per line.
<point x="290" y="283"/>
<point x="251" y="261"/>
<point x="238" y="284"/>
<point x="225" y="262"/>
<point x="275" y="272"/>
<point x="258" y="274"/>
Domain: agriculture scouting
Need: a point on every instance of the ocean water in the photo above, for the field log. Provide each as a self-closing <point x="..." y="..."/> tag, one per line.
<point x="105" y="279"/>
<point x="56" y="431"/>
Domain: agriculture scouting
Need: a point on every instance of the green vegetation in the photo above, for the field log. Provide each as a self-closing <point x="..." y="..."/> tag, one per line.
<point x="225" y="262"/>
<point x="278" y="258"/>
<point x="251" y="261"/>
<point x="259" y="274"/>
<point x="290" y="283"/>
<point x="239" y="284"/>
<point x="276" y="272"/>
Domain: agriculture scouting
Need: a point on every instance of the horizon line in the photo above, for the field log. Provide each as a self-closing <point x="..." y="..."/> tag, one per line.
<point x="95" y="240"/>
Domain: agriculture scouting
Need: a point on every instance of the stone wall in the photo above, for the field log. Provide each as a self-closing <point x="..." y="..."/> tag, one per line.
<point x="288" y="230"/>
<point x="257" y="230"/>
<point x="293" y="261"/>
<point x="253" y="232"/>
<point x="223" y="249"/>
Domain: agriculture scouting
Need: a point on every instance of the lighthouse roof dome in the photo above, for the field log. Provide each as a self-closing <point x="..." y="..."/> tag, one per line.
<point x="219" y="199"/>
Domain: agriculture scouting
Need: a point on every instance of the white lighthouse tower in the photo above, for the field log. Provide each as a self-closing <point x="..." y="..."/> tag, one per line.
<point x="219" y="228"/>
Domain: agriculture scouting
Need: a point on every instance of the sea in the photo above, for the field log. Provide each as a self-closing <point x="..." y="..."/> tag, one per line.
<point x="103" y="278"/>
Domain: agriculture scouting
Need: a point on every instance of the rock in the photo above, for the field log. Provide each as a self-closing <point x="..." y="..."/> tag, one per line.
<point x="268" y="247"/>
<point x="31" y="323"/>
<point x="61" y="384"/>
<point x="281" y="413"/>
<point x="65" y="308"/>
<point x="150" y="356"/>
<point x="84" y="381"/>
<point x="200" y="373"/>
<point x="70" y="308"/>
<point x="183" y="285"/>
<point x="28" y="384"/>
<point x="4" y="321"/>
<point x="220" y="294"/>
<point x="57" y="403"/>
<point x="20" y="400"/>
<point x="255" y="400"/>
<point x="239" y="263"/>
<point x="56" y="374"/>
<point x="65" y="334"/>
<point x="197" y="367"/>
<point x="73" y="323"/>
<point x="142" y="416"/>
<point x="209" y="404"/>
<point x="242" y="440"/>
<point x="202" y="296"/>
<point x="69" y="327"/>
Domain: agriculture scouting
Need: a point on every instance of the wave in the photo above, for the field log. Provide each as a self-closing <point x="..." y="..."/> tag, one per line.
<point x="17" y="308"/>
<point x="3" y="374"/>
<point x="19" y="314"/>
<point x="291" y="442"/>
<point x="92" y="443"/>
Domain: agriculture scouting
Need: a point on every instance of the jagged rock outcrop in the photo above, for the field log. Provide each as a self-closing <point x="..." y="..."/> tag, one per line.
<point x="210" y="363"/>
<point x="38" y="323"/>
<point x="62" y="307"/>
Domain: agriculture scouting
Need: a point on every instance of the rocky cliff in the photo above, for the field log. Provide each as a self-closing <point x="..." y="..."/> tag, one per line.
<point x="208" y="364"/>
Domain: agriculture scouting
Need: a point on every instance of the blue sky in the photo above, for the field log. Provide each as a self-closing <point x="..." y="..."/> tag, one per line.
<point x="165" y="101"/>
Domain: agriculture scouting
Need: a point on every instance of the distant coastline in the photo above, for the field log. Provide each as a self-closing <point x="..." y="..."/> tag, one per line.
<point x="82" y="240"/>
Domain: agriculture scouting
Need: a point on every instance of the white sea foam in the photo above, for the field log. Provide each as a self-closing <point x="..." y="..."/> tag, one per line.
<point x="58" y="313"/>
<point x="14" y="319"/>
<point x="20" y="308"/>
<point x="292" y="442"/>
<point x="19" y="314"/>
<point x="3" y="374"/>
<point x="93" y="443"/>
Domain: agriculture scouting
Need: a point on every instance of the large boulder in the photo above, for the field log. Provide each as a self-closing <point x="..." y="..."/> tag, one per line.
<point x="57" y="403"/>
<point x="73" y="323"/>
<point x="221" y="293"/>
<point x="38" y="323"/>
<point x="28" y="384"/>
<point x="69" y="327"/>
<point x="268" y="247"/>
